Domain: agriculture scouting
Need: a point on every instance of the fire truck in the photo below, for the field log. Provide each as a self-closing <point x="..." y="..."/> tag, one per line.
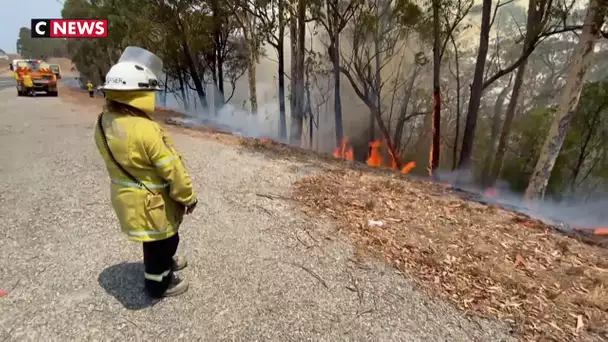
<point x="41" y="73"/>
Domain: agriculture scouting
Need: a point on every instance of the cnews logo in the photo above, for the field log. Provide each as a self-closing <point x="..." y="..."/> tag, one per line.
<point x="69" y="28"/>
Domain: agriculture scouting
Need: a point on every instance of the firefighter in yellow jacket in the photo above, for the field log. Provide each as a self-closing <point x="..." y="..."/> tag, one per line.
<point x="90" y="88"/>
<point x="150" y="187"/>
<point x="28" y="84"/>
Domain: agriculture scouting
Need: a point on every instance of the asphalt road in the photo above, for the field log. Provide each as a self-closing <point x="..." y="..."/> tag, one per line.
<point x="7" y="82"/>
<point x="259" y="269"/>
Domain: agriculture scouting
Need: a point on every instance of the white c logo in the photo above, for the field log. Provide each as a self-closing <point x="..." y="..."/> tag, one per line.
<point x="37" y="28"/>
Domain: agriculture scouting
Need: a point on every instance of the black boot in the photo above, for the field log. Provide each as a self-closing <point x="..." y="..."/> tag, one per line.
<point x="177" y="287"/>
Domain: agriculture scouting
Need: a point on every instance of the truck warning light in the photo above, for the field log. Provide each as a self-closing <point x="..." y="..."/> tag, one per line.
<point x="69" y="28"/>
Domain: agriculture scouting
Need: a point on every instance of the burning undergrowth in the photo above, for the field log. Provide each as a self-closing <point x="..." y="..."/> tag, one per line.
<point x="482" y="258"/>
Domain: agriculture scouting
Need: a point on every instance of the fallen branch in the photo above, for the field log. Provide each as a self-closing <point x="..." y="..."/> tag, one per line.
<point x="311" y="273"/>
<point x="263" y="209"/>
<point x="272" y="197"/>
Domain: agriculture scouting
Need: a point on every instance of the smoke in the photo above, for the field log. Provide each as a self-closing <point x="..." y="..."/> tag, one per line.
<point x="228" y="117"/>
<point x="574" y="212"/>
<point x="239" y="121"/>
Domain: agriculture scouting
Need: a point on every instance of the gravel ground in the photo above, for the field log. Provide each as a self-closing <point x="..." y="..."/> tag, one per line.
<point x="259" y="270"/>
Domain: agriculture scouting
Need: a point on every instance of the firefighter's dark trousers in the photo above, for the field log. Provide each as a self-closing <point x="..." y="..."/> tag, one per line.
<point x="90" y="93"/>
<point x="158" y="263"/>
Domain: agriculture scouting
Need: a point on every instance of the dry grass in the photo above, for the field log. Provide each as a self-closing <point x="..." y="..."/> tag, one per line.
<point x="485" y="260"/>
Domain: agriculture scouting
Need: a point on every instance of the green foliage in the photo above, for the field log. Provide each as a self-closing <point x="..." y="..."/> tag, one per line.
<point x="584" y="150"/>
<point x="583" y="153"/>
<point x="407" y="13"/>
<point x="36" y="47"/>
<point x="167" y="28"/>
<point x="528" y="136"/>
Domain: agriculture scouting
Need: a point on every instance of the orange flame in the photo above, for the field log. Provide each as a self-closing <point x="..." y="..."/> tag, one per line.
<point x="408" y="167"/>
<point x="375" y="158"/>
<point x="603" y="231"/>
<point x="344" y="151"/>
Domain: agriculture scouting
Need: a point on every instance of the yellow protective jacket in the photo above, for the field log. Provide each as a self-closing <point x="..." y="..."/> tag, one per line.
<point x="27" y="81"/>
<point x="90" y="86"/>
<point x="142" y="147"/>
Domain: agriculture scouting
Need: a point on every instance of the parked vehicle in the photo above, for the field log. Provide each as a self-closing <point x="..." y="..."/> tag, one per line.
<point x="40" y="72"/>
<point x="56" y="70"/>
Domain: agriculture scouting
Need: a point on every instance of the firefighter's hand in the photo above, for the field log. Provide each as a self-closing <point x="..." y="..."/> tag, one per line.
<point x="191" y="208"/>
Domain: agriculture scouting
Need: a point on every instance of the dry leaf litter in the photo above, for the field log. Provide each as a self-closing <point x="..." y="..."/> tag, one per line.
<point x="484" y="259"/>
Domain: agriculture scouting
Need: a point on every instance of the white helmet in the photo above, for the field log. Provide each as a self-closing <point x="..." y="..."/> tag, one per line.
<point x="137" y="69"/>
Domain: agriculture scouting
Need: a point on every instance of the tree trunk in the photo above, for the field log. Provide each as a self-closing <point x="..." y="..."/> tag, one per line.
<point x="436" y="141"/>
<point x="531" y="23"/>
<point x="335" y="60"/>
<point x="252" y="50"/>
<point x="281" y="56"/>
<point x="496" y="119"/>
<point x="377" y="96"/>
<point x="476" y="88"/>
<point x="503" y="141"/>
<point x="301" y="48"/>
<point x="198" y="84"/>
<point x="457" y="133"/>
<point x="387" y="135"/>
<point x="101" y="75"/>
<point x="376" y="92"/>
<point x="182" y="88"/>
<point x="308" y="113"/>
<point x="219" y="55"/>
<point x="293" y="33"/>
<point x="371" y="128"/>
<point x="398" y="135"/>
<point x="570" y="95"/>
<point x="251" y="76"/>
<point x="220" y="81"/>
<point x="165" y="90"/>
<point x="297" y="116"/>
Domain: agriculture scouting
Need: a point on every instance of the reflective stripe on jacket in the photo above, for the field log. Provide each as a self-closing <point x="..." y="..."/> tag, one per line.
<point x="142" y="147"/>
